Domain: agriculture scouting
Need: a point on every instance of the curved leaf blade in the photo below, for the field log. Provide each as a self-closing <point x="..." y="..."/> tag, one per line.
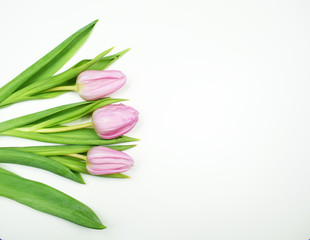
<point x="46" y="199"/>
<point x="38" y="161"/>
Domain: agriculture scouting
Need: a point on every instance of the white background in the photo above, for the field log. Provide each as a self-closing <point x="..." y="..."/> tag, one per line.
<point x="222" y="88"/>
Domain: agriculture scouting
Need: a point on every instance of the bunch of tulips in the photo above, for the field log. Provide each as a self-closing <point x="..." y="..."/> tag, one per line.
<point x="87" y="148"/>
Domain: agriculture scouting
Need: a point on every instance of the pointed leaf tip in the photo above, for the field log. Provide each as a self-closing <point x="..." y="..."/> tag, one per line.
<point x="109" y="50"/>
<point x="94" y="22"/>
<point x="123" y="52"/>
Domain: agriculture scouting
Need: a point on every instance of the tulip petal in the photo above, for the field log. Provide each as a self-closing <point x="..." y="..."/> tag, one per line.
<point x="114" y="120"/>
<point x="92" y="85"/>
<point x="102" y="160"/>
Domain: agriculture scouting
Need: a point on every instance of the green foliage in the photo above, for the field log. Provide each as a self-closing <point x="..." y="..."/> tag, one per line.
<point x="47" y="199"/>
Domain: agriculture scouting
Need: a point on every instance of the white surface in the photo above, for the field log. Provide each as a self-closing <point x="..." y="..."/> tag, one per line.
<point x="223" y="93"/>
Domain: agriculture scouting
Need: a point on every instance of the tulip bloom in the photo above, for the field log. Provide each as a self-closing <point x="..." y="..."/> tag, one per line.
<point x="102" y="160"/>
<point x="93" y="85"/>
<point x="114" y="120"/>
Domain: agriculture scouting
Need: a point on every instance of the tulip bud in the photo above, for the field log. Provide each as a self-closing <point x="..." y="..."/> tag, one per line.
<point x="114" y="120"/>
<point x="102" y="160"/>
<point x="93" y="85"/>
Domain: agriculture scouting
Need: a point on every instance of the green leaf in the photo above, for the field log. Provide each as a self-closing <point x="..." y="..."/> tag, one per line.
<point x="74" y="113"/>
<point x="55" y="138"/>
<point x="121" y="147"/>
<point x="38" y="161"/>
<point x="78" y="177"/>
<point x="57" y="115"/>
<point x="44" y="95"/>
<point x="49" y="64"/>
<point x="53" y="150"/>
<point x="30" y="118"/>
<point x="84" y="133"/>
<point x="107" y="61"/>
<point x="63" y="149"/>
<point x="47" y="199"/>
<point x="102" y="64"/>
<point x="51" y="82"/>
<point x="70" y="162"/>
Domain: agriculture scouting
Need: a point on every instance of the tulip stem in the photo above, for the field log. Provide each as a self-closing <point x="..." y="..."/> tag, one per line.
<point x="58" y="129"/>
<point x="62" y="88"/>
<point x="76" y="155"/>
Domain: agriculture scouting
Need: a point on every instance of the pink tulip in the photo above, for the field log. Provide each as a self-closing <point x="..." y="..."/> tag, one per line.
<point x="102" y="160"/>
<point x="114" y="120"/>
<point x="93" y="85"/>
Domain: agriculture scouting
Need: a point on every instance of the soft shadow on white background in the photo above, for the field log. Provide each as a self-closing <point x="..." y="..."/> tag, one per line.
<point x="222" y="88"/>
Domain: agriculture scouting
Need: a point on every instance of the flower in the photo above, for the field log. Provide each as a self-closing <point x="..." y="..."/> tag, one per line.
<point x="93" y="85"/>
<point x="102" y="160"/>
<point x="114" y="120"/>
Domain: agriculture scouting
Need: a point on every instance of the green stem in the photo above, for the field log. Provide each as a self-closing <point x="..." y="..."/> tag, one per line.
<point x="62" y="88"/>
<point x="79" y="156"/>
<point x="58" y="129"/>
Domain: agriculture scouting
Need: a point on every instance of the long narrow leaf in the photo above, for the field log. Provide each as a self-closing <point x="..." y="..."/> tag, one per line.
<point x="60" y="59"/>
<point x="53" y="138"/>
<point x="73" y="164"/>
<point x="63" y="149"/>
<point x="30" y="118"/>
<point x="47" y="199"/>
<point x="56" y="115"/>
<point x="44" y="95"/>
<point x="102" y="64"/>
<point x="69" y="116"/>
<point x="84" y="133"/>
<point x="107" y="61"/>
<point x="50" y="63"/>
<point x="38" y="161"/>
<point x="50" y="82"/>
